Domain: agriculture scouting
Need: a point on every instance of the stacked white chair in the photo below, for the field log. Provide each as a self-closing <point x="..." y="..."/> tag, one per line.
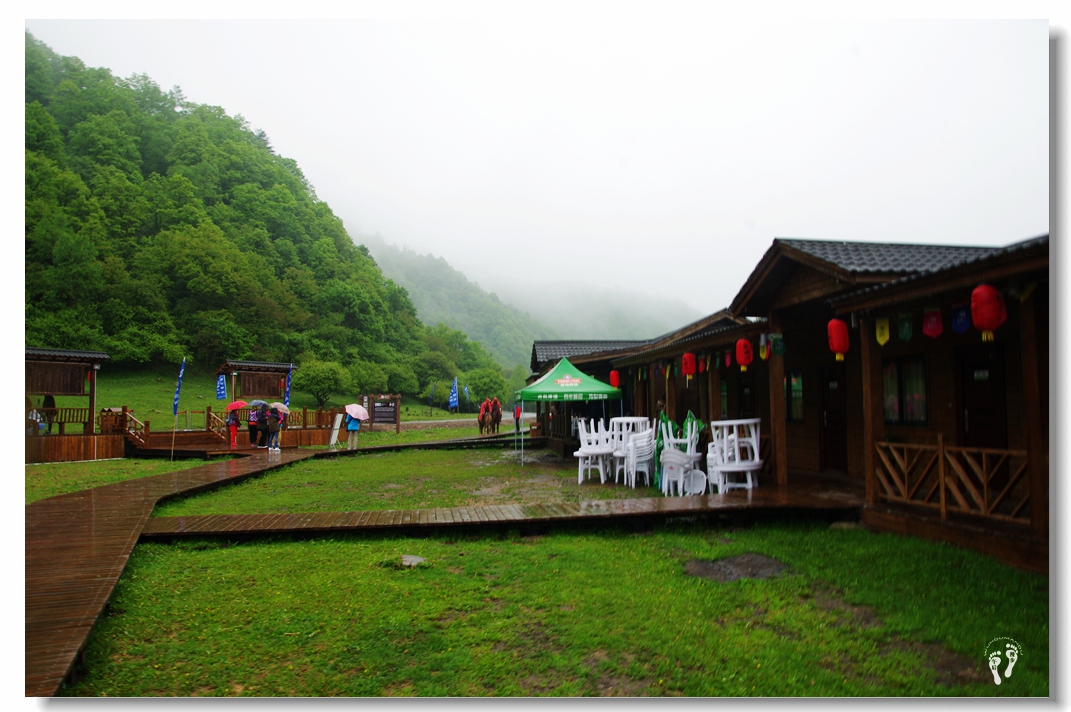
<point x="595" y="448"/>
<point x="676" y="461"/>
<point x="639" y="455"/>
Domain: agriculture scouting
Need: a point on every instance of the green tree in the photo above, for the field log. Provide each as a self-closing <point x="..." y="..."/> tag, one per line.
<point x="486" y="383"/>
<point x="321" y="380"/>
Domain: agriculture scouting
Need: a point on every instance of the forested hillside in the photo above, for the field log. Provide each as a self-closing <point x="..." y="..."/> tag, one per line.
<point x="442" y="294"/>
<point x="157" y="228"/>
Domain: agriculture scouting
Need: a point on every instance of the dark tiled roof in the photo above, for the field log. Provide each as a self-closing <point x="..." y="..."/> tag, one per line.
<point x="991" y="254"/>
<point x="36" y="354"/>
<point x="546" y="351"/>
<point x="862" y="257"/>
<point x="255" y="366"/>
<point x="682" y="343"/>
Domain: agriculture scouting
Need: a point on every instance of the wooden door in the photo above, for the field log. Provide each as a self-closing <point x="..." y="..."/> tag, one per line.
<point x="983" y="412"/>
<point x="747" y="395"/>
<point x="833" y="433"/>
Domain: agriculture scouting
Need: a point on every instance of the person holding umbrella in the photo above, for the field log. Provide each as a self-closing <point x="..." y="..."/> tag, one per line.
<point x="232" y="420"/>
<point x="253" y="415"/>
<point x="354" y="415"/>
<point x="273" y="429"/>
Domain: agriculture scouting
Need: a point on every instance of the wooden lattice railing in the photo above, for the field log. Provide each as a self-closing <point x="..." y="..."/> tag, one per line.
<point x="984" y="482"/>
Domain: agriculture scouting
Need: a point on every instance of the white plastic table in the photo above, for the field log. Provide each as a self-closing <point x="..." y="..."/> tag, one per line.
<point x="737" y="443"/>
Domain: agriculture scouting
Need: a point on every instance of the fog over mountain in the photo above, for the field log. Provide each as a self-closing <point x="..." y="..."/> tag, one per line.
<point x="595" y="308"/>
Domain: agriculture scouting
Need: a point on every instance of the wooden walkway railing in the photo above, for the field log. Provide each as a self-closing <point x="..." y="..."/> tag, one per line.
<point x="983" y="482"/>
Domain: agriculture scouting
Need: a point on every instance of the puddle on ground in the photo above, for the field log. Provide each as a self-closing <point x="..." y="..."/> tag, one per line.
<point x="734" y="568"/>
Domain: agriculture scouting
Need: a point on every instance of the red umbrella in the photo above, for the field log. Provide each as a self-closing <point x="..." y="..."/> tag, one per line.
<point x="357" y="411"/>
<point x="236" y="405"/>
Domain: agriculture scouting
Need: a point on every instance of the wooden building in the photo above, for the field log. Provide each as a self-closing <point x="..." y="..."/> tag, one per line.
<point x="64" y="372"/>
<point x="949" y="434"/>
<point x="598" y="359"/>
<point x="256" y="379"/>
<point x="955" y="429"/>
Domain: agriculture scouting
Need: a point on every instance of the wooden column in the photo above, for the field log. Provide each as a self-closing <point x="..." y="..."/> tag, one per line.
<point x="671" y="393"/>
<point x="778" y="439"/>
<point x="714" y="384"/>
<point x="89" y="429"/>
<point x="873" y="406"/>
<point x="1038" y="459"/>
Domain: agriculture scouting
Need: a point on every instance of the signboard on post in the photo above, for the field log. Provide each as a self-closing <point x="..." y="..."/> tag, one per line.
<point x="386" y="408"/>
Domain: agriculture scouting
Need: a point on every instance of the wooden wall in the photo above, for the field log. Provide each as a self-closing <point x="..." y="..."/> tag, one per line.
<point x="73" y="448"/>
<point x="59" y="379"/>
<point x="268" y="386"/>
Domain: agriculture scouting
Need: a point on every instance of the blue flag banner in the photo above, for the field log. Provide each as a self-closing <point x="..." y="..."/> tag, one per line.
<point x="432" y="395"/>
<point x="286" y="397"/>
<point x="221" y="387"/>
<point x="453" y="394"/>
<point x="467" y="399"/>
<point x="178" y="386"/>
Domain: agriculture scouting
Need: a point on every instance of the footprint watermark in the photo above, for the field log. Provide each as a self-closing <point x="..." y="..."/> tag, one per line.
<point x="999" y="651"/>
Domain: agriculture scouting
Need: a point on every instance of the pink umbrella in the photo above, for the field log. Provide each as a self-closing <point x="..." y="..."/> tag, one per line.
<point x="357" y="411"/>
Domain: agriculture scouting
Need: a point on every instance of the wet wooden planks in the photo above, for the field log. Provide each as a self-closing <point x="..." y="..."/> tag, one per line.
<point x="392" y="519"/>
<point x="77" y="546"/>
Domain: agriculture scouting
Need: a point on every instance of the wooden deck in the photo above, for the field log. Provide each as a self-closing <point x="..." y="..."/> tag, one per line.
<point x="78" y="544"/>
<point x="793" y="498"/>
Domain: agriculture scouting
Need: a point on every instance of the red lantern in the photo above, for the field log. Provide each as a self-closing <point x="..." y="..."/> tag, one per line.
<point x="728" y="358"/>
<point x="838" y="337"/>
<point x="987" y="310"/>
<point x="615" y="378"/>
<point x="688" y="364"/>
<point x="702" y="364"/>
<point x="743" y="354"/>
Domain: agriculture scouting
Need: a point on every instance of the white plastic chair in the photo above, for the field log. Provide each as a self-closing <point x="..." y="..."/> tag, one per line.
<point x="639" y="456"/>
<point x="672" y="475"/>
<point x="695" y="482"/>
<point x="594" y="450"/>
<point x="679" y="453"/>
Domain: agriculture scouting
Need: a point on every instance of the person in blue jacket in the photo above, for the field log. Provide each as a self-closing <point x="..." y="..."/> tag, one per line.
<point x="353" y="426"/>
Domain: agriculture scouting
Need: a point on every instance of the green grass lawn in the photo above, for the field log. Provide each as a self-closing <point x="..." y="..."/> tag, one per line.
<point x="570" y="613"/>
<point x="55" y="478"/>
<point x="410" y="479"/>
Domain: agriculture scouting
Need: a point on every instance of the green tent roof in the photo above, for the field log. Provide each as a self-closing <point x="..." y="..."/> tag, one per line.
<point x="565" y="383"/>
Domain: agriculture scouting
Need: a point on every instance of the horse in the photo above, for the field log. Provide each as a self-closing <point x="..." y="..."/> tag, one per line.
<point x="490" y="420"/>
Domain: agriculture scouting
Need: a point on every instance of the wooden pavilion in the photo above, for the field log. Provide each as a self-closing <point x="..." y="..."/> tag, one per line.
<point x="256" y="379"/>
<point x="64" y="372"/>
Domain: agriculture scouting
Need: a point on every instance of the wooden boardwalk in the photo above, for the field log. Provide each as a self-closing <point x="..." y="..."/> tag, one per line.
<point x="78" y="544"/>
<point x="767" y="499"/>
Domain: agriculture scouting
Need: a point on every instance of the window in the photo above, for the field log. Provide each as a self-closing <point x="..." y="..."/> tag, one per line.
<point x="794" y="396"/>
<point x="904" y="390"/>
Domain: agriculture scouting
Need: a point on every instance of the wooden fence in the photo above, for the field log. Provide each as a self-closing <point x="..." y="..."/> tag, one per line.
<point x="982" y="482"/>
<point x="72" y="448"/>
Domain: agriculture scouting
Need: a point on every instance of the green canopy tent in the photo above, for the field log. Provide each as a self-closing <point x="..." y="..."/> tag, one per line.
<point x="565" y="383"/>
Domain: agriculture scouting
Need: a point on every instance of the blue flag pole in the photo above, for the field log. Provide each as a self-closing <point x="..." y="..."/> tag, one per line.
<point x="174" y="406"/>
<point x="286" y="398"/>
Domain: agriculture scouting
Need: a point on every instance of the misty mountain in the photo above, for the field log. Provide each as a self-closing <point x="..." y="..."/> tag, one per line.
<point x="600" y="310"/>
<point x="508" y="320"/>
<point x="444" y="295"/>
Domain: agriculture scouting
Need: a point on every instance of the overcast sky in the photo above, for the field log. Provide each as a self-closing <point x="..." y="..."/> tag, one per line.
<point x="660" y="155"/>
